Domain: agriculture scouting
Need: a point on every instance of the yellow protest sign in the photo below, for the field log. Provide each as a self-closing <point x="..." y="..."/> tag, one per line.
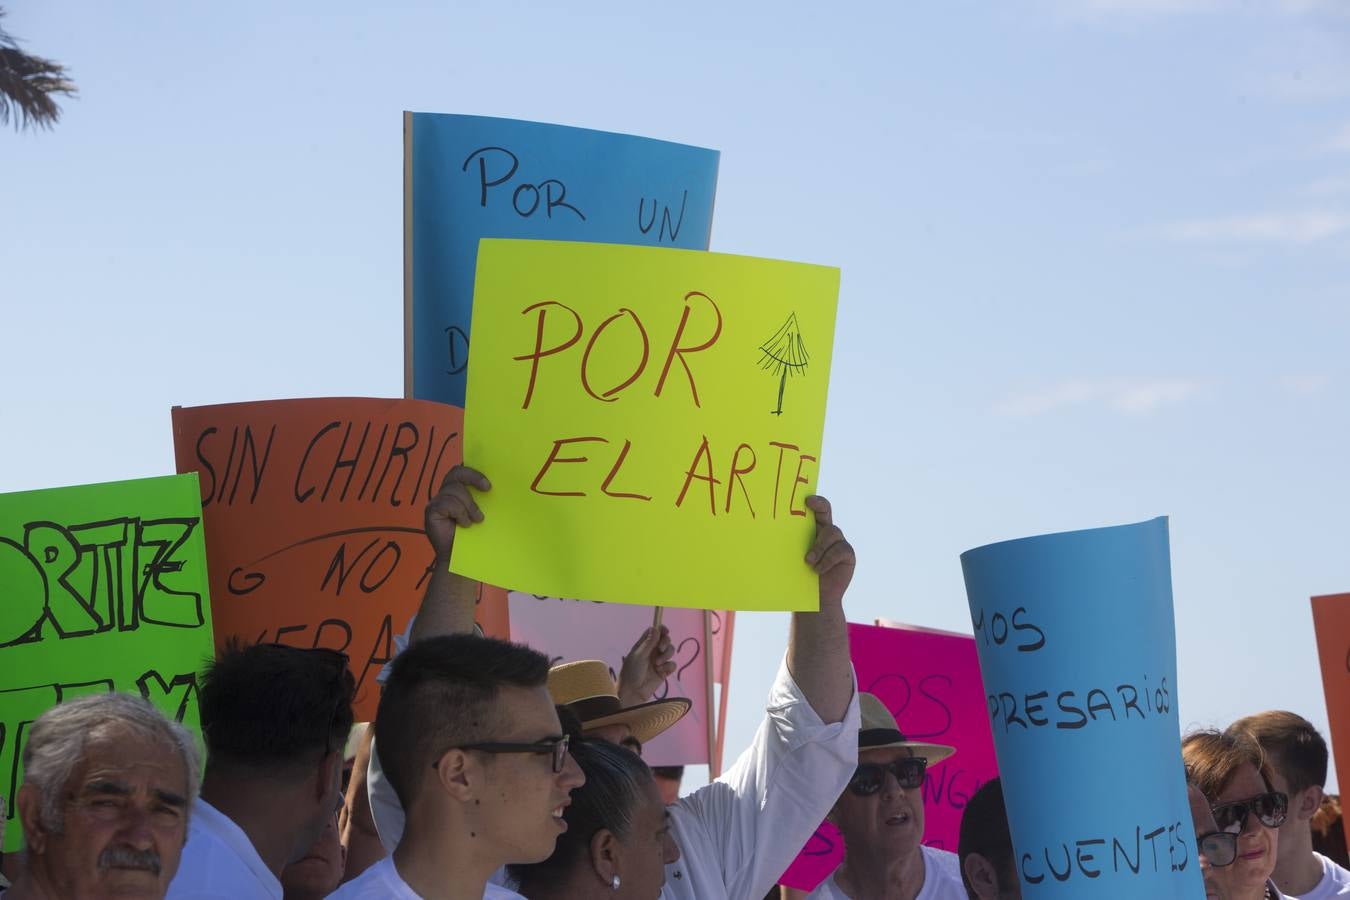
<point x="651" y="422"/>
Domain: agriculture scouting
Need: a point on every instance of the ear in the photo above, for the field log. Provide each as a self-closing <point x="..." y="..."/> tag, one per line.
<point x="605" y="856"/>
<point x="30" y="817"/>
<point x="980" y="872"/>
<point x="457" y="774"/>
<point x="1307" y="803"/>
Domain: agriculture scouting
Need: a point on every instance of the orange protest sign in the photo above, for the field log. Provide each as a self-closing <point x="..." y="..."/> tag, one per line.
<point x="1331" y="622"/>
<point x="313" y="518"/>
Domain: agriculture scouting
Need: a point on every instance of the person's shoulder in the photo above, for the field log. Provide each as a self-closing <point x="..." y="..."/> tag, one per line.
<point x="497" y="892"/>
<point x="942" y="875"/>
<point x="944" y="862"/>
<point x="1339" y="873"/>
<point x="827" y="890"/>
<point x="374" y="882"/>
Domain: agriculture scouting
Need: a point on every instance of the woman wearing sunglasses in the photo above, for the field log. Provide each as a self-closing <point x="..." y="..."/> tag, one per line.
<point x="1231" y="772"/>
<point x="880" y="814"/>
<point x="617" y="843"/>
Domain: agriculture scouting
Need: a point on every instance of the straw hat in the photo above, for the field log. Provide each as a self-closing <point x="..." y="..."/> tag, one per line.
<point x="586" y="688"/>
<point x="879" y="730"/>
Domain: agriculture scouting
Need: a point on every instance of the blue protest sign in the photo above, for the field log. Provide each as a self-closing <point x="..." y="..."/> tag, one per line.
<point x="1078" y="654"/>
<point x="470" y="177"/>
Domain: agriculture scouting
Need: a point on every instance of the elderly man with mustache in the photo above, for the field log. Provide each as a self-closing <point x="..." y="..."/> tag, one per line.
<point x="108" y="784"/>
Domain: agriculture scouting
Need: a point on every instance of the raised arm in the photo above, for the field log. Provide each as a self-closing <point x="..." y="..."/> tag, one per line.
<point x="817" y="655"/>
<point x="448" y="604"/>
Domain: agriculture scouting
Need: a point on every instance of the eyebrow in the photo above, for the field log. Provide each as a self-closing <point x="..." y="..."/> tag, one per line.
<point x="107" y="787"/>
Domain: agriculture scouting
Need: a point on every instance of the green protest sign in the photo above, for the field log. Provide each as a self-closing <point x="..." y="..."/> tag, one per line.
<point x="102" y="588"/>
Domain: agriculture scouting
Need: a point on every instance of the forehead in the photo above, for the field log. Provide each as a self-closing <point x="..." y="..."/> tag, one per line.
<point x="884" y="755"/>
<point x="1246" y="782"/>
<point x="525" y="714"/>
<point x="116" y="752"/>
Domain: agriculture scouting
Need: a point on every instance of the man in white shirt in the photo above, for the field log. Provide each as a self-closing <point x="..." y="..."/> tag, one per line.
<point x="471" y="744"/>
<point x="881" y="817"/>
<point x="275" y="720"/>
<point x="738" y="834"/>
<point x="1298" y="757"/>
<point x="105" y="799"/>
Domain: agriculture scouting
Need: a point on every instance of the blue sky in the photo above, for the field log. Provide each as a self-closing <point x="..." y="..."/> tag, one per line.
<point x="1095" y="254"/>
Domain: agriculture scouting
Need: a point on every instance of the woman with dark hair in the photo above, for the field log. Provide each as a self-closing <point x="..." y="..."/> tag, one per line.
<point x="1231" y="771"/>
<point x="617" y="843"/>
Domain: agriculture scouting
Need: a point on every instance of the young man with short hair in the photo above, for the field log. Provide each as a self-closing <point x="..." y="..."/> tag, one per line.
<point x="275" y="720"/>
<point x="470" y="742"/>
<point x="1298" y="759"/>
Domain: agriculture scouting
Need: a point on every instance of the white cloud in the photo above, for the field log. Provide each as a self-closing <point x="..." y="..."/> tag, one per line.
<point x="1304" y="382"/>
<point x="1131" y="396"/>
<point x="1302" y="227"/>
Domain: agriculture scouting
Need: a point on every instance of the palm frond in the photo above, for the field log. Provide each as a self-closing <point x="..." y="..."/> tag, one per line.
<point x="29" y="85"/>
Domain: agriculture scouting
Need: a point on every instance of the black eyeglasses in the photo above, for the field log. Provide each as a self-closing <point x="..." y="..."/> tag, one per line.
<point x="1270" y="810"/>
<point x="556" y="746"/>
<point x="868" y="778"/>
<point x="1218" y="847"/>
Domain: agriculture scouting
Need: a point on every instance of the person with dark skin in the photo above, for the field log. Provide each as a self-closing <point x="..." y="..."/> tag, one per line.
<point x="618" y="841"/>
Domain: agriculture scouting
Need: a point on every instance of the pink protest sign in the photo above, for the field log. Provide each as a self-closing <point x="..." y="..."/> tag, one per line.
<point x="568" y="630"/>
<point x="930" y="681"/>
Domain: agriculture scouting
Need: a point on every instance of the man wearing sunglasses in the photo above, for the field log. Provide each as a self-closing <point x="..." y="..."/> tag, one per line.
<point x="880" y="814"/>
<point x="1298" y="758"/>
<point x="471" y="744"/>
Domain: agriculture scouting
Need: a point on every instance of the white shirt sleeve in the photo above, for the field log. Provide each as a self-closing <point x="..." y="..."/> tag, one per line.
<point x="752" y="821"/>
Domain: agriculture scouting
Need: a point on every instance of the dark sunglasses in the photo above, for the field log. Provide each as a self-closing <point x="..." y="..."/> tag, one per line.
<point x="555" y="746"/>
<point x="1270" y="810"/>
<point x="1218" y="847"/>
<point x="868" y="778"/>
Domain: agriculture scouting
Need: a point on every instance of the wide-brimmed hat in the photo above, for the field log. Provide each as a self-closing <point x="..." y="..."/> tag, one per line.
<point x="879" y="731"/>
<point x="586" y="688"/>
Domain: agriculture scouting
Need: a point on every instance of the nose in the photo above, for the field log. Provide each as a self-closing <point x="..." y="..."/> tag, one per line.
<point x="671" y="850"/>
<point x="135" y="829"/>
<point x="571" y="776"/>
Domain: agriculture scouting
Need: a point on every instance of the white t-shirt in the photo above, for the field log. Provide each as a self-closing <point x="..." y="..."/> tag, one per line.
<point x="941" y="879"/>
<point x="382" y="882"/>
<point x="219" y="862"/>
<point x="1335" y="882"/>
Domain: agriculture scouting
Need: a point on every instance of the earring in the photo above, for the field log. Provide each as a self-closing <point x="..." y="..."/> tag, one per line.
<point x="614" y="882"/>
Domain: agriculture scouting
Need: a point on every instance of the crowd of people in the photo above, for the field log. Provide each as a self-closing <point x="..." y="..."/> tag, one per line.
<point x="489" y="774"/>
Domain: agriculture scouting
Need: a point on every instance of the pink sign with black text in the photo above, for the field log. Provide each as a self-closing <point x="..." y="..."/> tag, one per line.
<point x="930" y="681"/>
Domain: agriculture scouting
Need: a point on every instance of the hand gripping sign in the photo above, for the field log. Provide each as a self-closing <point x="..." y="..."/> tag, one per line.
<point x="653" y="421"/>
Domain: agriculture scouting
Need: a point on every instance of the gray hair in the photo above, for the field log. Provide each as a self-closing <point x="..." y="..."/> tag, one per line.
<point x="57" y="740"/>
